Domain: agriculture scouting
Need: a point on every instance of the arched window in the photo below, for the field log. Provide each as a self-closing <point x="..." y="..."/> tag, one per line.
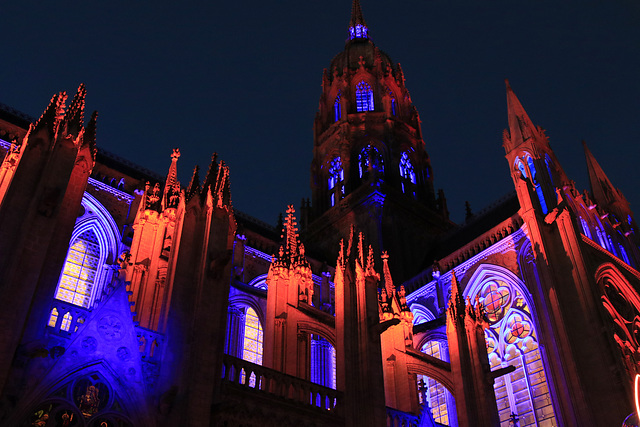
<point x="585" y="227"/>
<point x="323" y="362"/>
<point x="370" y="158"/>
<point x="336" y="180"/>
<point x="337" y="109"/>
<point x="536" y="184"/>
<point x="407" y="174"/>
<point x="602" y="239"/>
<point x="512" y="340"/>
<point x="364" y="97"/>
<point x="253" y="338"/>
<point x="93" y="247"/>
<point x="438" y="399"/>
<point x="244" y="334"/>
<point x="80" y="270"/>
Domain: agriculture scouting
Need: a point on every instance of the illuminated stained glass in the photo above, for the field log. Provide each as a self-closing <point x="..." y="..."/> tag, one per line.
<point x="438" y="398"/>
<point x="511" y="340"/>
<point x="364" y="97"/>
<point x="66" y="322"/>
<point x="336" y="180"/>
<point x="337" y="109"/>
<point x="80" y="269"/>
<point x="53" y="319"/>
<point x="253" y="338"/>
<point x="370" y="157"/>
<point x="406" y="171"/>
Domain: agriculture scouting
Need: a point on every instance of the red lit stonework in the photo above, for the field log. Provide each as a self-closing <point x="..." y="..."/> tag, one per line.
<point x="130" y="299"/>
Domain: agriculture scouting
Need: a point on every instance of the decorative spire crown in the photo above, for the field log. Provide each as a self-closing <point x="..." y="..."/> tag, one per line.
<point x="357" y="27"/>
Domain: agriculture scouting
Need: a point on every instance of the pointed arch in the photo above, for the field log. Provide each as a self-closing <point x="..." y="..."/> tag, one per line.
<point x="94" y="246"/>
<point x="512" y="339"/>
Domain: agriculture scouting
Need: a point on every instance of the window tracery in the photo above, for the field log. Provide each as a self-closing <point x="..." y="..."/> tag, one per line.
<point x="512" y="339"/>
<point x="370" y="159"/>
<point x="80" y="270"/>
<point x="364" y="97"/>
<point x="407" y="174"/>
<point x="439" y="400"/>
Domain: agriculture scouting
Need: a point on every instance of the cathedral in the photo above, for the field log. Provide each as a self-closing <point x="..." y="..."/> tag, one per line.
<point x="131" y="299"/>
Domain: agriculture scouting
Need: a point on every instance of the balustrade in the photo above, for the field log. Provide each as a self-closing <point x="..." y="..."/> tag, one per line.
<point x="269" y="381"/>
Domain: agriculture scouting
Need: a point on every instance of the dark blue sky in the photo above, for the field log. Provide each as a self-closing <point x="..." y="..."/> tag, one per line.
<point x="243" y="78"/>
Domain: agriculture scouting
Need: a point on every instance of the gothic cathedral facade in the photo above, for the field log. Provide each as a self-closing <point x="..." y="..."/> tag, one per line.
<point x="133" y="300"/>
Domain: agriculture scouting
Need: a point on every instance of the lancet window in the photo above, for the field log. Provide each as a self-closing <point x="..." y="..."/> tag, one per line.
<point x="337" y="109"/>
<point x="244" y="334"/>
<point x="585" y="227"/>
<point x="438" y="399"/>
<point x="80" y="270"/>
<point x="512" y="340"/>
<point x="370" y="159"/>
<point x="407" y="174"/>
<point x="538" y="187"/>
<point x="336" y="180"/>
<point x="364" y="97"/>
<point x="323" y="362"/>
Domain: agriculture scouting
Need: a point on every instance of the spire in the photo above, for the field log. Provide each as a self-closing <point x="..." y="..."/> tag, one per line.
<point x="388" y="281"/>
<point x="291" y="251"/>
<point x="74" y="118"/>
<point x="171" y="194"/>
<point x="357" y="27"/>
<point x="520" y="125"/>
<point x="602" y="190"/>
<point x="194" y="184"/>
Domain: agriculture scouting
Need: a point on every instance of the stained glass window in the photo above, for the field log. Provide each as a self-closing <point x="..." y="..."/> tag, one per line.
<point x="406" y="172"/>
<point x="364" y="97"/>
<point x="66" y="322"/>
<point x="336" y="180"/>
<point x="323" y="362"/>
<point x="585" y="227"/>
<point x="370" y="157"/>
<point x="358" y="32"/>
<point x="337" y="109"/>
<point x="80" y="270"/>
<point x="253" y="337"/>
<point x="434" y="394"/>
<point x="53" y="319"/>
<point x="512" y="340"/>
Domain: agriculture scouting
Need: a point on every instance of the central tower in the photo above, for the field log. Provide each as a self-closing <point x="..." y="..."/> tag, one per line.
<point x="370" y="167"/>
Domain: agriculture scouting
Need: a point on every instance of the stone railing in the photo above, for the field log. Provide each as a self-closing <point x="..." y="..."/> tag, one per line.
<point x="397" y="418"/>
<point x="271" y="382"/>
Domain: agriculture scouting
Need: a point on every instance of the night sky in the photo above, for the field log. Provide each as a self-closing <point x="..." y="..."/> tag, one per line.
<point x="243" y="78"/>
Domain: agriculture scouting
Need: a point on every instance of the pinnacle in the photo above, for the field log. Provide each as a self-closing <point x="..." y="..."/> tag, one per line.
<point x="356" y="14"/>
<point x="357" y="26"/>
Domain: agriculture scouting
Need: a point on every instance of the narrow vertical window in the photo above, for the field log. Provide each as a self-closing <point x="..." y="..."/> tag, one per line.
<point x="323" y="362"/>
<point x="364" y="97"/>
<point x="80" y="270"/>
<point x="536" y="184"/>
<point x="585" y="227"/>
<point x="66" y="322"/>
<point x="370" y="158"/>
<point x="407" y="174"/>
<point x="53" y="319"/>
<point x="336" y="180"/>
<point x="337" y="109"/>
<point x="252" y="346"/>
<point x="438" y="399"/>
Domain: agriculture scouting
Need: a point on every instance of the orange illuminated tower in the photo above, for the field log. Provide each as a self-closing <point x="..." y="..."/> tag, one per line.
<point x="370" y="166"/>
